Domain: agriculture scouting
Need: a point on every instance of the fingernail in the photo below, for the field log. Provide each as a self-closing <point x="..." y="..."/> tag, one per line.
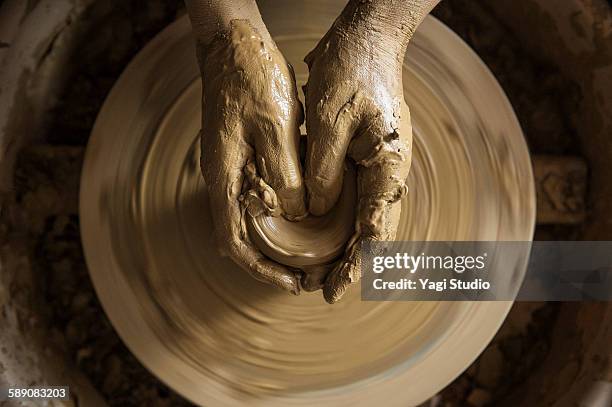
<point x="317" y="205"/>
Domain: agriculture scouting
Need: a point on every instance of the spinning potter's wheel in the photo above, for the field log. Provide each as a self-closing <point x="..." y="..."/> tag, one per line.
<point x="219" y="337"/>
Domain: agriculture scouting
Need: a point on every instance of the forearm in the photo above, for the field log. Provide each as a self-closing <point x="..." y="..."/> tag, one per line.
<point x="392" y="23"/>
<point x="209" y="18"/>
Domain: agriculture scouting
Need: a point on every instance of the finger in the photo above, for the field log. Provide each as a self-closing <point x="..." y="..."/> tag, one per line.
<point x="224" y="154"/>
<point x="330" y="124"/>
<point x="277" y="152"/>
<point x="383" y="152"/>
<point x="378" y="213"/>
<point x="346" y="272"/>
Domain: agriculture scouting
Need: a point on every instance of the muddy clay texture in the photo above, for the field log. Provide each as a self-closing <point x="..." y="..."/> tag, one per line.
<point x="47" y="190"/>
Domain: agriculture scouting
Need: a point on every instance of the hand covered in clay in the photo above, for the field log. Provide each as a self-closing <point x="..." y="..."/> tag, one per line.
<point x="250" y="139"/>
<point x="355" y="112"/>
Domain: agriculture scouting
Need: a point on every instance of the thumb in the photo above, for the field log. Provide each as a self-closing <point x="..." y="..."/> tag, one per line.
<point x="330" y="127"/>
<point x="278" y="163"/>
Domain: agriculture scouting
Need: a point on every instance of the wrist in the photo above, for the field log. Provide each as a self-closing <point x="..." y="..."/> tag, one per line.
<point x="227" y="35"/>
<point x="363" y="26"/>
<point x="211" y="19"/>
<point x="357" y="36"/>
<point x="389" y="24"/>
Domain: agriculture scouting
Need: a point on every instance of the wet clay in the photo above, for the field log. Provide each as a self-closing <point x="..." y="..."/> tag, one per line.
<point x="221" y="338"/>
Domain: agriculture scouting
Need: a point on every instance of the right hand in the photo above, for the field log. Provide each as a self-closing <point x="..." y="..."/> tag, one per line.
<point x="250" y="139"/>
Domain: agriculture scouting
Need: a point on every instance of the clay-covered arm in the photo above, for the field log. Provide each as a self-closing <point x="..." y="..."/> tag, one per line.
<point x="389" y="23"/>
<point x="211" y="17"/>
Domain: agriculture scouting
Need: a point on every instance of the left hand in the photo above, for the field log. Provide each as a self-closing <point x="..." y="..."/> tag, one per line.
<point x="355" y="110"/>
